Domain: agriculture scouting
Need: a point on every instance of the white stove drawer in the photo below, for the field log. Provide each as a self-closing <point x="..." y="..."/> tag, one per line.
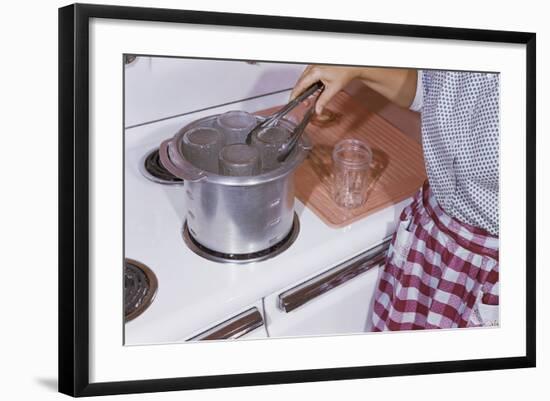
<point x="337" y="301"/>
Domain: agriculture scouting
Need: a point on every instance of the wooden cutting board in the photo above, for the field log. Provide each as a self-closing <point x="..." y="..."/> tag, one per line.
<point x="396" y="172"/>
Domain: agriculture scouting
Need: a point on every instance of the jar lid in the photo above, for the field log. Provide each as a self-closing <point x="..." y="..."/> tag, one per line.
<point x="202" y="136"/>
<point x="239" y="154"/>
<point x="273" y="135"/>
<point x="236" y="120"/>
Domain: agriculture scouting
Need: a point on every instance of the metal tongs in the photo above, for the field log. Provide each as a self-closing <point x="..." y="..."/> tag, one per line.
<point x="273" y="119"/>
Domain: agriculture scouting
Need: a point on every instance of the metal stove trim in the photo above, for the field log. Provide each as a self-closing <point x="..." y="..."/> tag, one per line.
<point x="151" y="177"/>
<point x="342" y="273"/>
<point x="151" y="293"/>
<point x="233" y="328"/>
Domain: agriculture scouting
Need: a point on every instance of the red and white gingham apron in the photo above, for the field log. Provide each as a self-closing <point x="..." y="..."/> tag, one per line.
<point x="439" y="272"/>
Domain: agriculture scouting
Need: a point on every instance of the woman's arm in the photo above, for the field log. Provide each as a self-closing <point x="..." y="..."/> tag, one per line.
<point x="395" y="84"/>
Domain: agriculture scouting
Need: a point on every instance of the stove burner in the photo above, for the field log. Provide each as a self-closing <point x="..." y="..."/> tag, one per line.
<point x="140" y="287"/>
<point x="152" y="168"/>
<point x="268" y="253"/>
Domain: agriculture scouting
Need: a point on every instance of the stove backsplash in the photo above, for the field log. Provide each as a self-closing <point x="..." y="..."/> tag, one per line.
<point x="160" y="87"/>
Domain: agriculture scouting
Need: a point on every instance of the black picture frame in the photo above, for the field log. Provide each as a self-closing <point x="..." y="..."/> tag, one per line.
<point x="74" y="198"/>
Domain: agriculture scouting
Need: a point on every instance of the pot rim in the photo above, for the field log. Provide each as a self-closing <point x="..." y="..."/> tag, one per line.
<point x="294" y="159"/>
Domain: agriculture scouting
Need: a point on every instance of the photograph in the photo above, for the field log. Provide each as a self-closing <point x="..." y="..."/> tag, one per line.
<point x="266" y="199"/>
<point x="241" y="207"/>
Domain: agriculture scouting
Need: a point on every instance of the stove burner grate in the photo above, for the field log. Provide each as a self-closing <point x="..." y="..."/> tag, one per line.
<point x="140" y="288"/>
<point x="268" y="253"/>
<point x="152" y="168"/>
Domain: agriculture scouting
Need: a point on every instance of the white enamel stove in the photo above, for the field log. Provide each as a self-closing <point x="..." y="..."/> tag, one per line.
<point x="322" y="284"/>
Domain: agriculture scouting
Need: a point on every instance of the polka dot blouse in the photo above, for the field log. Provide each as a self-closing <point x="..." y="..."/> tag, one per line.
<point x="460" y="138"/>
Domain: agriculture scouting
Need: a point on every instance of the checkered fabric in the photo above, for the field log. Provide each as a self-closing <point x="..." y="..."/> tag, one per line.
<point x="437" y="273"/>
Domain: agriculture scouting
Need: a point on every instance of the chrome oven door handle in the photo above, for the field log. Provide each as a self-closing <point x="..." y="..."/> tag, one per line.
<point x="234" y="327"/>
<point x="332" y="278"/>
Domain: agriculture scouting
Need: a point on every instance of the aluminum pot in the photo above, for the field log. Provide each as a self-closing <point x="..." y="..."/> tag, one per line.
<point x="236" y="215"/>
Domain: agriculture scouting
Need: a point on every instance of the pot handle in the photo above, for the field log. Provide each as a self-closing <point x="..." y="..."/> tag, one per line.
<point x="177" y="165"/>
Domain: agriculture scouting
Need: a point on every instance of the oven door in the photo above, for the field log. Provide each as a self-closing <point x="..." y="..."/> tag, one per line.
<point x="337" y="301"/>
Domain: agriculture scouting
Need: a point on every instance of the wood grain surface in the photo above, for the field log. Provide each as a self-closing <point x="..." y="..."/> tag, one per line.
<point x="396" y="172"/>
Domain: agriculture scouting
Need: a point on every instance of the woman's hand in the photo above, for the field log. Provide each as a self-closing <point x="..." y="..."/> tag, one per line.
<point x="397" y="85"/>
<point x="334" y="79"/>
